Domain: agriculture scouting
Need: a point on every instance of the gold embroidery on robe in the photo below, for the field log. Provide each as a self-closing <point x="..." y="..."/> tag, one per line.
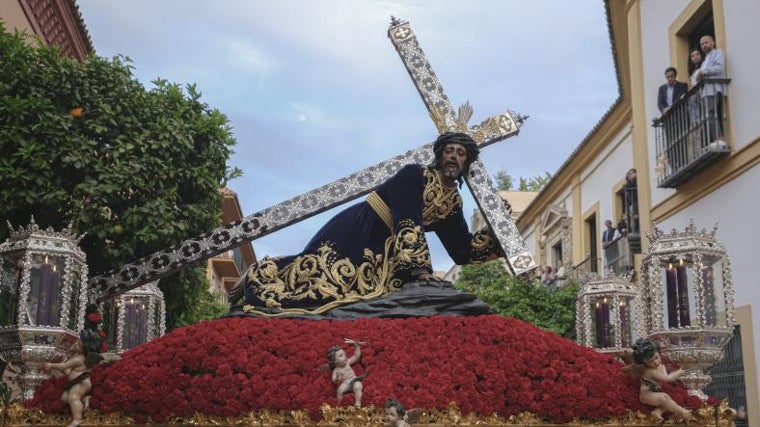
<point x="411" y="249"/>
<point x="438" y="201"/>
<point x="320" y="276"/>
<point x="324" y="276"/>
<point x="484" y="246"/>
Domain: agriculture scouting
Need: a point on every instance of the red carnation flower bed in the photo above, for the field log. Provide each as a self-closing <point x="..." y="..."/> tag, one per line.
<point x="485" y="364"/>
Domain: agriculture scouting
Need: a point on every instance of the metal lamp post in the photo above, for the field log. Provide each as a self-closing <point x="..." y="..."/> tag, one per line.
<point x="687" y="302"/>
<point x="43" y="289"/>
<point x="605" y="317"/>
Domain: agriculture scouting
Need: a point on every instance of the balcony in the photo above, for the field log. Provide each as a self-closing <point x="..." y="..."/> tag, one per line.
<point x="618" y="258"/>
<point x="226" y="264"/>
<point x="690" y="136"/>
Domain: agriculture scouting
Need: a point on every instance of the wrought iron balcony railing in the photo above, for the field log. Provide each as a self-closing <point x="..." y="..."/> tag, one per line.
<point x="618" y="258"/>
<point x="690" y="136"/>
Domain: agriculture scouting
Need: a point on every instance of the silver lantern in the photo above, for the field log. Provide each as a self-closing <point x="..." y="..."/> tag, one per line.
<point x="43" y="294"/>
<point x="605" y="313"/>
<point x="687" y="300"/>
<point x="138" y="315"/>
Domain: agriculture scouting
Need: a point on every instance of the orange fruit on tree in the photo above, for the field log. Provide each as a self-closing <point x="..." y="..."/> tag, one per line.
<point x="77" y="112"/>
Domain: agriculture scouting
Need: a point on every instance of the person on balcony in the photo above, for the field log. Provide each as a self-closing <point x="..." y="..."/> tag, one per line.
<point x="610" y="236"/>
<point x="674" y="124"/>
<point x="549" y="277"/>
<point x="632" y="201"/>
<point x="695" y="61"/>
<point x="622" y="226"/>
<point x="713" y="67"/>
<point x="671" y="91"/>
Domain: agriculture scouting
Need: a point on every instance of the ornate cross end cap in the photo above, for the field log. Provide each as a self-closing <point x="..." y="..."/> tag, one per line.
<point x="519" y="118"/>
<point x="399" y="30"/>
<point x="493" y="128"/>
<point x="395" y="22"/>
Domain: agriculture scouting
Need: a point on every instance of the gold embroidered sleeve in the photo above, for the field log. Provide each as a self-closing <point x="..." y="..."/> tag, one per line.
<point x="484" y="246"/>
<point x="410" y="248"/>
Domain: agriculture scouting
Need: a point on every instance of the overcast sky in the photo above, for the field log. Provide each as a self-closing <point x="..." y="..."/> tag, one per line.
<point x="314" y="89"/>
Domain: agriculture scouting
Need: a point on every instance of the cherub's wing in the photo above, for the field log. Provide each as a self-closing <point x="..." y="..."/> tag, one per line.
<point x="626" y="356"/>
<point x="413" y="415"/>
<point x="633" y="369"/>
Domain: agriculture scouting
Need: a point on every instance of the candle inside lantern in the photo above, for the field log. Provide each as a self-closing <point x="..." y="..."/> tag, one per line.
<point x="602" y="317"/>
<point x="45" y="293"/>
<point x="677" y="295"/>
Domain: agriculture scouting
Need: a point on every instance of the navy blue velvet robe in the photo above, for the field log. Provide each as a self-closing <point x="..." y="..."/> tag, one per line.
<point x="369" y="249"/>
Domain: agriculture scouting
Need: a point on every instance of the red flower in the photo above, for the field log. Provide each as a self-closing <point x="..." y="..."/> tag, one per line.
<point x="94" y="317"/>
<point x="485" y="364"/>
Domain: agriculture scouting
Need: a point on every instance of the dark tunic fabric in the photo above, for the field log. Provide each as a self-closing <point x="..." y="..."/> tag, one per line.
<point x="368" y="250"/>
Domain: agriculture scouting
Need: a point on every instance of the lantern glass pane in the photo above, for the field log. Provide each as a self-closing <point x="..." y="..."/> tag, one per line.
<point x="10" y="275"/>
<point x="44" y="299"/>
<point x="135" y="322"/>
<point x="678" y="293"/>
<point x="601" y="322"/>
<point x="711" y="274"/>
<point x="625" y="311"/>
<point x="157" y="318"/>
<point x="73" y="316"/>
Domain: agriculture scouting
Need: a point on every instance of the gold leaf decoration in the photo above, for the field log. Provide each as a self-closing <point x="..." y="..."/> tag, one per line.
<point x="348" y="416"/>
<point x="438" y="117"/>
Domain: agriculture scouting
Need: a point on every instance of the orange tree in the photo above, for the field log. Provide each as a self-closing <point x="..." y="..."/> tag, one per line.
<point x="85" y="143"/>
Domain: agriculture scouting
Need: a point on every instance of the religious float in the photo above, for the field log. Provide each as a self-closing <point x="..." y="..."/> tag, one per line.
<point x="450" y="362"/>
<point x="486" y="370"/>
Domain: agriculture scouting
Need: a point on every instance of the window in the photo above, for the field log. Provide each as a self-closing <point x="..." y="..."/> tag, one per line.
<point x="557" y="255"/>
<point x="690" y="136"/>
<point x="593" y="255"/>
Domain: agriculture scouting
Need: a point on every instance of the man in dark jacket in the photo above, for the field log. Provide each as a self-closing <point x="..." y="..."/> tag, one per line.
<point x="670" y="91"/>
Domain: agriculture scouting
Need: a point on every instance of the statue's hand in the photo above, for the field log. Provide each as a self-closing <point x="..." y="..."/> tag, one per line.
<point x="356" y="343"/>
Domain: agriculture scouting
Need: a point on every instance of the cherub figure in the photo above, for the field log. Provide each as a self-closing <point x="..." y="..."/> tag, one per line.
<point x="342" y="372"/>
<point x="395" y="414"/>
<point x="648" y="365"/>
<point x="78" y="368"/>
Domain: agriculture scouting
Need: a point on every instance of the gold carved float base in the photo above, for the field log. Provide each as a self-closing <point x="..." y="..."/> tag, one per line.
<point x="720" y="415"/>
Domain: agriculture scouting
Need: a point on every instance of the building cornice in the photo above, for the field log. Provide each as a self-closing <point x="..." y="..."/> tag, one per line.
<point x="59" y="23"/>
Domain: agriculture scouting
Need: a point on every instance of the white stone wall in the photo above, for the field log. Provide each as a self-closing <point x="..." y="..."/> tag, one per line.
<point x="741" y="46"/>
<point x="656" y="17"/>
<point x="733" y="206"/>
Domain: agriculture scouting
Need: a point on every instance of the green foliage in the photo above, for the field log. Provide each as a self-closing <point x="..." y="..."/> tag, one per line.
<point x="535" y="183"/>
<point x="204" y="303"/>
<point x="138" y="170"/>
<point x="503" y="180"/>
<point x="552" y="309"/>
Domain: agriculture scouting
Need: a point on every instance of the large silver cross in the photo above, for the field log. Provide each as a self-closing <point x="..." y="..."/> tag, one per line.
<point x="299" y="208"/>
<point x="487" y="132"/>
